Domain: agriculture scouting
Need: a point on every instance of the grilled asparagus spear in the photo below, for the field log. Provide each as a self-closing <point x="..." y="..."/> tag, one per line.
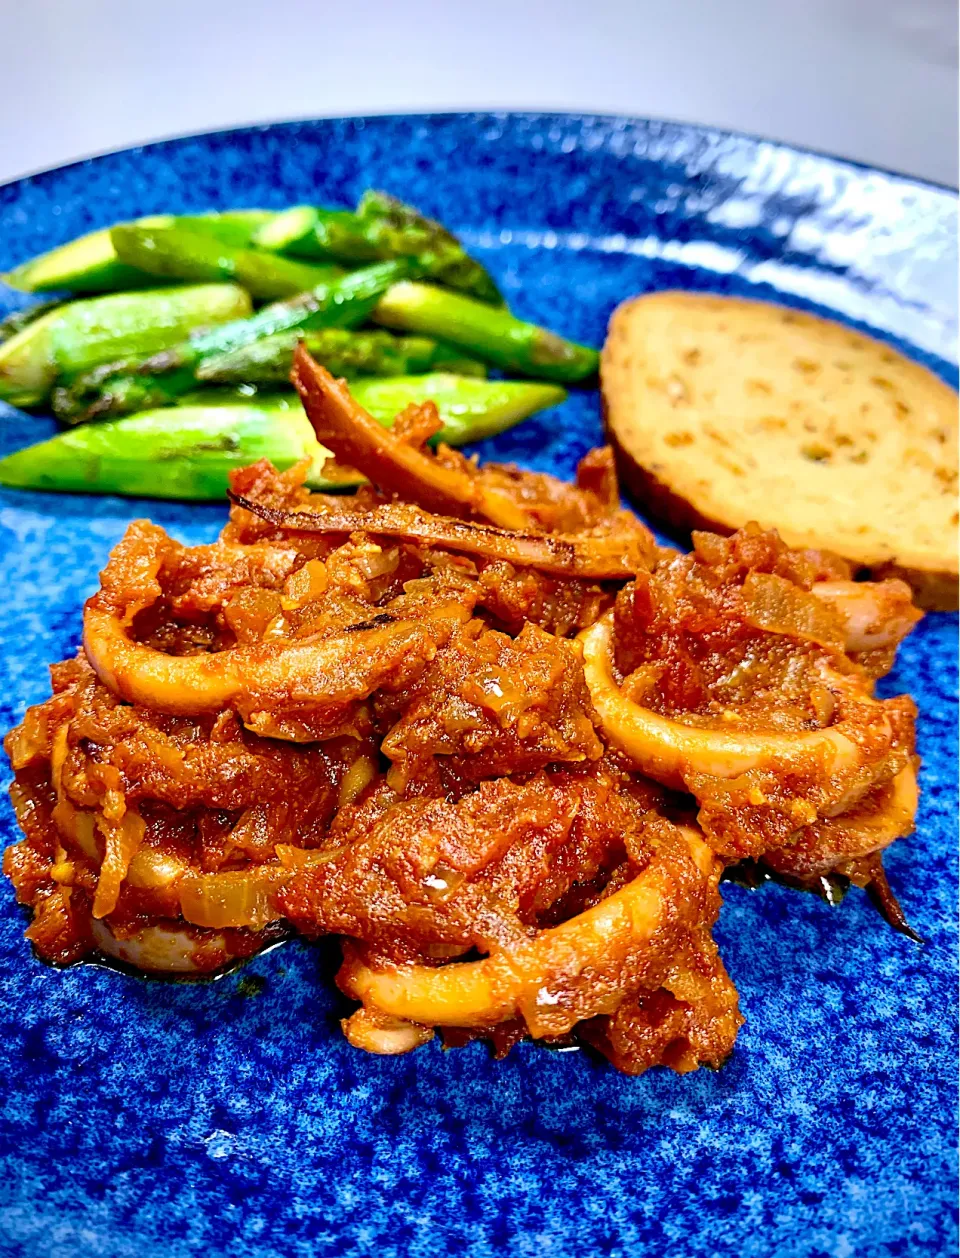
<point x="189" y="451"/>
<point x="382" y="227"/>
<point x="77" y="336"/>
<point x="90" y="264"/>
<point x="492" y="334"/>
<point x="308" y="231"/>
<point x="123" y="387"/>
<point x="342" y="352"/>
<point x="178" y="253"/>
<point x="20" y="319"/>
<point x="470" y="409"/>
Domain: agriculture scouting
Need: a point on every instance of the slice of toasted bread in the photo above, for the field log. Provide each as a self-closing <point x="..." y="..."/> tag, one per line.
<point x="724" y="411"/>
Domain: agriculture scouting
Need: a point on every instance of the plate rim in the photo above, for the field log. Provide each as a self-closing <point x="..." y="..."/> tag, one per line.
<point x="426" y="116"/>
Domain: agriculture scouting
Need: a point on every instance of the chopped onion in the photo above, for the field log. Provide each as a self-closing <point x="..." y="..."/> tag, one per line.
<point x="240" y="897"/>
<point x="778" y="606"/>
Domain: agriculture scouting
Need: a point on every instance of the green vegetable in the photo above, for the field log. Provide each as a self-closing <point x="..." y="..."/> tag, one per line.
<point x="183" y="453"/>
<point x="20" y="319"/>
<point x="189" y="451"/>
<point x="492" y="334"/>
<point x="77" y="336"/>
<point x="89" y="264"/>
<point x="312" y="232"/>
<point x="470" y="409"/>
<point x="291" y="231"/>
<point x="124" y="387"/>
<point x="178" y="253"/>
<point x="382" y="227"/>
<point x="342" y="352"/>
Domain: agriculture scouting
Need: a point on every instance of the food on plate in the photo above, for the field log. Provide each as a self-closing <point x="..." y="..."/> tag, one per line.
<point x="189" y="452"/>
<point x="724" y="411"/>
<point x="487" y="331"/>
<point x="340" y="281"/>
<point x="90" y="264"/>
<point x="747" y="680"/>
<point x="476" y="722"/>
<point x="382" y="227"/>
<point x="492" y="334"/>
<point x="71" y="339"/>
<point x="20" y="319"/>
<point x="178" y="253"/>
<point x="159" y="380"/>
<point x="352" y="354"/>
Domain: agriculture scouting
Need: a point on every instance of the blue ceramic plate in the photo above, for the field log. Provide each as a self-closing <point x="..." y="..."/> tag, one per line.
<point x="232" y="1119"/>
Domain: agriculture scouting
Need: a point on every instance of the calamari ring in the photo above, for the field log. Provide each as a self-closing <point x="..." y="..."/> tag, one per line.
<point x="877" y="821"/>
<point x="237" y="898"/>
<point x="667" y="750"/>
<point x="157" y="949"/>
<point x="378" y="1033"/>
<point x="520" y="981"/>
<point x="874" y="614"/>
<point x="286" y="673"/>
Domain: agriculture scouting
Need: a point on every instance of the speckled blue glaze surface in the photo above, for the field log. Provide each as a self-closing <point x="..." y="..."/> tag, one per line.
<point x="141" y="1119"/>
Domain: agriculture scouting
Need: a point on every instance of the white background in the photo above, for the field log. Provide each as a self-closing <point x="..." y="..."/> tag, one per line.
<point x="874" y="80"/>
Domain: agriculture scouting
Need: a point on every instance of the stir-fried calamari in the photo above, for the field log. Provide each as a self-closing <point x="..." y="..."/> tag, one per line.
<point x="474" y="721"/>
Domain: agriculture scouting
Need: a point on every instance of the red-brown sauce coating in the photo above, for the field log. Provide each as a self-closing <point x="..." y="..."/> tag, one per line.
<point x="393" y="739"/>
